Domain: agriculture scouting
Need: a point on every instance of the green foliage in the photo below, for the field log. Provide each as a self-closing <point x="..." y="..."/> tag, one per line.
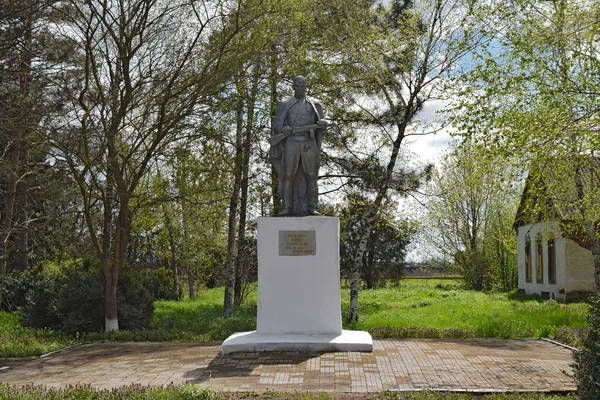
<point x="15" y="288"/>
<point x="531" y="97"/>
<point x="41" y="308"/>
<point x="159" y="283"/>
<point x="70" y="297"/>
<point x="587" y="360"/>
<point x="415" y="308"/>
<point x="86" y="392"/>
<point x="475" y="269"/>
<point x="427" y="310"/>
<point x="17" y="341"/>
<point x="386" y="247"/>
<point x="204" y="315"/>
<point x="193" y="392"/>
<point x="183" y="227"/>
<point x="470" y="215"/>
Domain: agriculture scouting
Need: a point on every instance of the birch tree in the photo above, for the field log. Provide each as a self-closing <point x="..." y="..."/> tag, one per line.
<point x="420" y="46"/>
<point x="532" y="96"/>
<point x="471" y="205"/>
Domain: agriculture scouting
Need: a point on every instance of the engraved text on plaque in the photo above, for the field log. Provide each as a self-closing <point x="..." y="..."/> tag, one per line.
<point x="297" y="243"/>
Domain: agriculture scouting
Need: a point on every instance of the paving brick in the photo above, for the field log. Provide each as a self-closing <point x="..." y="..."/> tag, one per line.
<point x="409" y="364"/>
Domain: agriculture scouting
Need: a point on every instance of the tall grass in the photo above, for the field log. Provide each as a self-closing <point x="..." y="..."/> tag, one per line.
<point x="204" y="315"/>
<point x="446" y="307"/>
<point x="17" y="341"/>
<point x="413" y="308"/>
<point x="431" y="308"/>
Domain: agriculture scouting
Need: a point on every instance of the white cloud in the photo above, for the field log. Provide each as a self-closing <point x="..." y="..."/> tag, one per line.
<point x="429" y="148"/>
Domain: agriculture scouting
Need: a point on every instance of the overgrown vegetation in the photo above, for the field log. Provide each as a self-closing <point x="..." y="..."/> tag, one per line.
<point x="437" y="308"/>
<point x="69" y="296"/>
<point x="186" y="392"/>
<point x="587" y="361"/>
<point x="413" y="308"/>
<point x="18" y="341"/>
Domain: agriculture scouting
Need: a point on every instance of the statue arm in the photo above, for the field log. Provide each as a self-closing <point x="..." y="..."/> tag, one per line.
<point x="279" y="118"/>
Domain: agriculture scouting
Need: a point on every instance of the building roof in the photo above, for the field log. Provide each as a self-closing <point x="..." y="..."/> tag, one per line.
<point x="551" y="192"/>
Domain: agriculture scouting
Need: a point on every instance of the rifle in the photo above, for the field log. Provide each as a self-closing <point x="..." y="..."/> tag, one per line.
<point x="275" y="139"/>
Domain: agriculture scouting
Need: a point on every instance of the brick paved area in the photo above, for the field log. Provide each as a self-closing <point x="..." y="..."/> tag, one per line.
<point x="407" y="364"/>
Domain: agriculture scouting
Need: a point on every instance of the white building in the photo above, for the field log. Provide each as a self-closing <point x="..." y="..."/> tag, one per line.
<point x="554" y="252"/>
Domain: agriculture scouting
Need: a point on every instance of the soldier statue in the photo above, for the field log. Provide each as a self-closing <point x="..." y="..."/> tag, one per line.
<point x="296" y="137"/>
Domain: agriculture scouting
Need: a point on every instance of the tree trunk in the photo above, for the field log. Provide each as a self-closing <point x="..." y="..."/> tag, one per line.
<point x="111" y="275"/>
<point x="111" y="320"/>
<point x="17" y="151"/>
<point x="21" y="261"/>
<point x="176" y="280"/>
<point x="233" y="209"/>
<point x="369" y="261"/>
<point x="191" y="283"/>
<point x="273" y="80"/>
<point x="174" y="259"/>
<point x="246" y="147"/>
<point x="374" y="212"/>
<point x="5" y="231"/>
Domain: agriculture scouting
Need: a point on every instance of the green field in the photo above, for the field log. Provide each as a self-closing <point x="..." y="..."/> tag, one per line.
<point x="413" y="308"/>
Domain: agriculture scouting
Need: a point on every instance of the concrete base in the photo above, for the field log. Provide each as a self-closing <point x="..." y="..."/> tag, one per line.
<point x="256" y="342"/>
<point x="299" y="294"/>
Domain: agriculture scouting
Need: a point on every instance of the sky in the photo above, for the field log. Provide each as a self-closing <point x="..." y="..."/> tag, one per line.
<point x="425" y="149"/>
<point x="429" y="148"/>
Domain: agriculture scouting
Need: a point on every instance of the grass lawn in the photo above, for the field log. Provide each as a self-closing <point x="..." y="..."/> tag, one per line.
<point x="416" y="308"/>
<point x="17" y="341"/>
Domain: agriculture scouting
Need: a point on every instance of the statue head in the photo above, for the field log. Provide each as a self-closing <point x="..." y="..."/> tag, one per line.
<point x="299" y="87"/>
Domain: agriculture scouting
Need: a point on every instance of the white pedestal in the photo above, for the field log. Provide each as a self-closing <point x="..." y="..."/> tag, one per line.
<point x="298" y="290"/>
<point x="255" y="342"/>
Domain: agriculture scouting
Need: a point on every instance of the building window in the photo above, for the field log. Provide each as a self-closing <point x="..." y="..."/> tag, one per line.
<point x="527" y="259"/>
<point x="539" y="261"/>
<point x="551" y="262"/>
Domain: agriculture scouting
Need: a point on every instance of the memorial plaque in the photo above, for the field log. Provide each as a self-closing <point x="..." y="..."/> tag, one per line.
<point x="297" y="243"/>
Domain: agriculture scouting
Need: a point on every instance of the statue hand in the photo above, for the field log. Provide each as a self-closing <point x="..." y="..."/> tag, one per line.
<point x="324" y="123"/>
<point x="286" y="129"/>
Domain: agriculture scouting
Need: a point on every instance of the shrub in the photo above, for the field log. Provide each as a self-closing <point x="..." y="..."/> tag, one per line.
<point x="15" y="286"/>
<point x="41" y="308"/>
<point x="587" y="360"/>
<point x="474" y="267"/>
<point x="135" y="304"/>
<point x="159" y="283"/>
<point x="73" y="299"/>
<point x="81" y="298"/>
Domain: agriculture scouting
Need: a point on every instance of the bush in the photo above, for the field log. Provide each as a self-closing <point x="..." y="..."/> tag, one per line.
<point x="159" y="283"/>
<point x="72" y="300"/>
<point x="41" y="308"/>
<point x="474" y="267"/>
<point x="15" y="286"/>
<point x="135" y="304"/>
<point x="587" y="360"/>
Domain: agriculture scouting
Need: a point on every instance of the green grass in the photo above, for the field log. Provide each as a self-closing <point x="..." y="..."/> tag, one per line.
<point x="204" y="315"/>
<point x="189" y="392"/>
<point x="415" y="308"/>
<point x="447" y="310"/>
<point x="17" y="341"/>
